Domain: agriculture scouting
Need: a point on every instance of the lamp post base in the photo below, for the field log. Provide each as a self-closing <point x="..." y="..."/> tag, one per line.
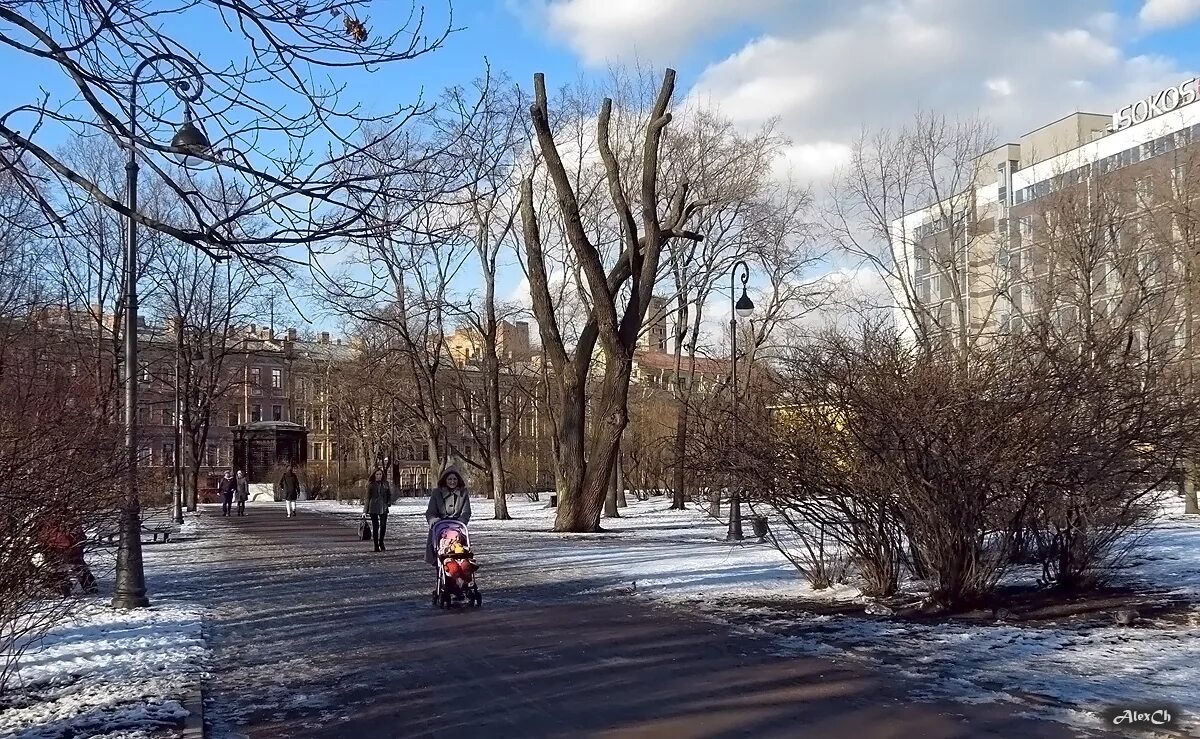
<point x="735" y="520"/>
<point x="130" y="590"/>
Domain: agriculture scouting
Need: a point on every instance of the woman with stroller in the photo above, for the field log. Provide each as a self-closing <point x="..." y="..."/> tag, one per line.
<point x="379" y="499"/>
<point x="450" y="500"/>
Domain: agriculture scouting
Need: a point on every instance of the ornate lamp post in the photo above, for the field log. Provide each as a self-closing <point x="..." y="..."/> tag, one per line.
<point x="130" y="590"/>
<point x="743" y="308"/>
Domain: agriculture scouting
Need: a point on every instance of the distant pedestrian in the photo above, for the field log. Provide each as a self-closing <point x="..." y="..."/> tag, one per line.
<point x="243" y="492"/>
<point x="228" y="488"/>
<point x="450" y="500"/>
<point x="379" y="499"/>
<point x="289" y="485"/>
<point x="63" y="542"/>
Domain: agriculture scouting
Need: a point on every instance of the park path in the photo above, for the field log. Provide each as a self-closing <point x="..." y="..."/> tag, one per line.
<point x="314" y="635"/>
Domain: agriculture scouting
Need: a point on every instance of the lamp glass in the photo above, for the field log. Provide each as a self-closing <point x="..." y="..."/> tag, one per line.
<point x="744" y="306"/>
<point x="189" y="141"/>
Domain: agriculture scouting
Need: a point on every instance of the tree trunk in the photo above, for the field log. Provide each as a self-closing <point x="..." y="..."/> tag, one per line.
<point x="500" y="496"/>
<point x="679" y="494"/>
<point x="610" y="500"/>
<point x="580" y="511"/>
<point x="1189" y="488"/>
<point x="622" y="501"/>
<point x="570" y="469"/>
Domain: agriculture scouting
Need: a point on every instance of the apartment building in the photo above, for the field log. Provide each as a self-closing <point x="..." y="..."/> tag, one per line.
<point x="1107" y="195"/>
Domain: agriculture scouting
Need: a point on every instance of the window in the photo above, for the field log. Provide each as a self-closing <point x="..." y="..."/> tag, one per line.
<point x="276" y="379"/>
<point x="168" y="416"/>
<point x="300" y="416"/>
<point x="255" y="413"/>
<point x="276" y="413"/>
<point x="316" y="451"/>
<point x="1025" y="226"/>
<point x="144" y="453"/>
<point x="1144" y="187"/>
<point x="922" y="258"/>
<point x="1178" y="180"/>
<point x="212" y="455"/>
<point x="168" y="454"/>
<point x="255" y="376"/>
<point x="233" y="418"/>
<point x="144" y="416"/>
<point x="145" y="373"/>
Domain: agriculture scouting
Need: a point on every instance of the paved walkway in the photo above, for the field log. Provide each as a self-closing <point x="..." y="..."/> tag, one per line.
<point x="315" y="635"/>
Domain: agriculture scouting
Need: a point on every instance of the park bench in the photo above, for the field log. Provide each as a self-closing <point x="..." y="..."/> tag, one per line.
<point x="156" y="530"/>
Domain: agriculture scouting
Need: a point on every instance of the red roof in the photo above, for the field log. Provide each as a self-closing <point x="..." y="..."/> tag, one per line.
<point x="665" y="361"/>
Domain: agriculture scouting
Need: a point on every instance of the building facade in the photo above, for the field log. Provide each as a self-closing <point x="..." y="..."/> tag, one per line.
<point x="1085" y="219"/>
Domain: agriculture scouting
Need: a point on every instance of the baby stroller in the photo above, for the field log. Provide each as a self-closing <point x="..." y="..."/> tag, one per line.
<point x="455" y="565"/>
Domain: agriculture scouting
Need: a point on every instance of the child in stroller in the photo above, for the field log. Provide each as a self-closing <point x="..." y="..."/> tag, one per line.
<point x="456" y="564"/>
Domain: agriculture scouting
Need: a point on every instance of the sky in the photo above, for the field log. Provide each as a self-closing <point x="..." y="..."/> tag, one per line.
<point x="826" y="69"/>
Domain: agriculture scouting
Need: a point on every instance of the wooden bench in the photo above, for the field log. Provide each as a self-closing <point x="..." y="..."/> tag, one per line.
<point x="163" y="530"/>
<point x="156" y="531"/>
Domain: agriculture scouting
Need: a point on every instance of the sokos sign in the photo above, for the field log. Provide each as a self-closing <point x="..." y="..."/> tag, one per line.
<point x="1162" y="102"/>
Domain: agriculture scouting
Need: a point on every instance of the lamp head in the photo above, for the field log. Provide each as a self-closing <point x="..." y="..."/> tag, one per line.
<point x="188" y="140"/>
<point x="744" y="306"/>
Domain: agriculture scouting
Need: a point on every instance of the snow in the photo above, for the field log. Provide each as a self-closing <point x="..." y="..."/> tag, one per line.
<point x="669" y="554"/>
<point x="104" y="672"/>
<point x="1068" y="670"/>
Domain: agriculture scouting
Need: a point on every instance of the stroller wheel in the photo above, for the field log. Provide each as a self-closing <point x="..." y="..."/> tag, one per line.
<point x="445" y="600"/>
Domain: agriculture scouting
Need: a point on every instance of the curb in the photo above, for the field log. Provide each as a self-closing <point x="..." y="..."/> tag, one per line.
<point x="193" y="723"/>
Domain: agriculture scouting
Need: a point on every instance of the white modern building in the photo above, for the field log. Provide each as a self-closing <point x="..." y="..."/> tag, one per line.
<point x="978" y="260"/>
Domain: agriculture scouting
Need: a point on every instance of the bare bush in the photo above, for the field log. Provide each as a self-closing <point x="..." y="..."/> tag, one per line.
<point x="59" y="475"/>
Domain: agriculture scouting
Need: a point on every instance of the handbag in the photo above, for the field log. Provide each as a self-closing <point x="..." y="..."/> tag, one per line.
<point x="364" y="529"/>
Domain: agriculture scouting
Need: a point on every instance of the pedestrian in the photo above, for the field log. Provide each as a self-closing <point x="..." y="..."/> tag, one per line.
<point x="243" y="492"/>
<point x="228" y="489"/>
<point x="63" y="543"/>
<point x="450" y="500"/>
<point x="379" y="499"/>
<point x="289" y="485"/>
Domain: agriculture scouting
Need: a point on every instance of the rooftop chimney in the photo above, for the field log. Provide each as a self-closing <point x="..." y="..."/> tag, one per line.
<point x="324" y="337"/>
<point x="292" y="334"/>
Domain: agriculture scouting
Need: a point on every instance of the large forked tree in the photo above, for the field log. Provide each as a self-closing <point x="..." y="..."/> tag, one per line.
<point x="587" y="443"/>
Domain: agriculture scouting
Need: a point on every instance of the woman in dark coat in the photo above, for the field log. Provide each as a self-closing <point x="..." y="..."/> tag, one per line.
<point x="379" y="499"/>
<point x="289" y="485"/>
<point x="228" y="489"/>
<point x="450" y="500"/>
<point x="243" y="492"/>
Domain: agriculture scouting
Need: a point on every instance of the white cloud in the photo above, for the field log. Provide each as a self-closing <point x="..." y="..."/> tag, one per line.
<point x="831" y="69"/>
<point x="809" y="162"/>
<point x="653" y="30"/>
<point x="1158" y="14"/>
<point x="999" y="86"/>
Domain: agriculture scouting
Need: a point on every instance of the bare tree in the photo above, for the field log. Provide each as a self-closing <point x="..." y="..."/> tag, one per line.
<point x="489" y="144"/>
<point x="585" y="456"/>
<point x="907" y="205"/>
<point x="263" y="97"/>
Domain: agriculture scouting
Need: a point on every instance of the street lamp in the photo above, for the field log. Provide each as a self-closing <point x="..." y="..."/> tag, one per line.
<point x="743" y="308"/>
<point x="130" y="588"/>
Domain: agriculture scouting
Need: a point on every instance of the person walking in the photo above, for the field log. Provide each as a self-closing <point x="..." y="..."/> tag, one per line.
<point x="289" y="485"/>
<point x="379" y="499"/>
<point x="243" y="492"/>
<point x="450" y="500"/>
<point x="63" y="543"/>
<point x="228" y="489"/>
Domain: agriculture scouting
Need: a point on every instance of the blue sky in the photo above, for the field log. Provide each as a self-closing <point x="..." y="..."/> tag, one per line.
<point x="825" y="69"/>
